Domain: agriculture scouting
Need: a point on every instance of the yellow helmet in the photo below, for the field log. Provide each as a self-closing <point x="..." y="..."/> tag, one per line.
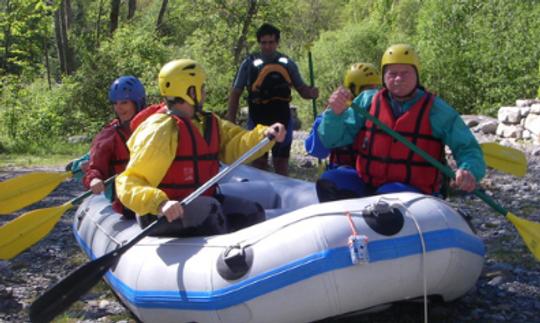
<point x="177" y="77"/>
<point x="360" y="75"/>
<point x="401" y="54"/>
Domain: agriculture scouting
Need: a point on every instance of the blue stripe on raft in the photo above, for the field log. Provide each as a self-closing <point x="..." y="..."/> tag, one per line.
<point x="290" y="273"/>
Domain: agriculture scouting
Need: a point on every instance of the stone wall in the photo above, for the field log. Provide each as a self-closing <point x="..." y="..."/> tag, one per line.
<point x="521" y="121"/>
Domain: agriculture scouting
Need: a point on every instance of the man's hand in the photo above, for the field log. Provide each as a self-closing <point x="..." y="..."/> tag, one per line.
<point x="172" y="210"/>
<point x="97" y="186"/>
<point x="314" y="92"/>
<point x="277" y="130"/>
<point x="340" y="100"/>
<point x="308" y="92"/>
<point x="464" y="181"/>
<point x="84" y="166"/>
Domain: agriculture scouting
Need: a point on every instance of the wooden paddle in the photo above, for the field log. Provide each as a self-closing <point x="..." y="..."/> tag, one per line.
<point x="23" y="232"/>
<point x="19" y="192"/>
<point x="58" y="298"/>
<point x="529" y="230"/>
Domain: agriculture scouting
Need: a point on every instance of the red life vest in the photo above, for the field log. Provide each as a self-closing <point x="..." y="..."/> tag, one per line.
<point x="196" y="159"/>
<point x="110" y="156"/>
<point x="383" y="159"/>
<point x="343" y="156"/>
<point x="145" y="113"/>
<point x="121" y="155"/>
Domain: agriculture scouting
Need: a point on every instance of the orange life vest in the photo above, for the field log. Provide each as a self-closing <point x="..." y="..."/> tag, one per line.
<point x="196" y="159"/>
<point x="383" y="159"/>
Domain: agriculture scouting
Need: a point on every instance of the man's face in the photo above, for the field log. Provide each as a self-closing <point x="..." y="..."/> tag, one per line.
<point x="400" y="79"/>
<point x="268" y="44"/>
<point x="188" y="110"/>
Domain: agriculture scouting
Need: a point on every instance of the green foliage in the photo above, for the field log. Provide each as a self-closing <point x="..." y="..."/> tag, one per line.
<point x="477" y="54"/>
<point x="538" y="93"/>
<point x="129" y="52"/>
<point x="24" y="26"/>
<point x="336" y="51"/>
<point x="35" y="114"/>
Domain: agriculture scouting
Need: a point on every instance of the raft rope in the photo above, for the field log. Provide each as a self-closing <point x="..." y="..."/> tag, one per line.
<point x="252" y="241"/>
<point x="399" y="204"/>
<point x="351" y="223"/>
<point x="107" y="233"/>
<point x="423" y="243"/>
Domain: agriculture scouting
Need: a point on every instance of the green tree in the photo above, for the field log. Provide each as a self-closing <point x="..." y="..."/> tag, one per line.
<point x="25" y="26"/>
<point x="478" y="54"/>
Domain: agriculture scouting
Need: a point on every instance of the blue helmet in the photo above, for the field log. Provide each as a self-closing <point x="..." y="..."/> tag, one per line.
<point x="128" y="88"/>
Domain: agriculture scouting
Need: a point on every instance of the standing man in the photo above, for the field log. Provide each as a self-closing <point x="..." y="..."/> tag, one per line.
<point x="268" y="77"/>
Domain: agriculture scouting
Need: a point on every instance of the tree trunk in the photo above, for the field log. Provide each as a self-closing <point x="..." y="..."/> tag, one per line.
<point x="7" y="39"/>
<point x="59" y="45"/>
<point x="132" y="6"/>
<point x="47" y="66"/>
<point x="161" y="13"/>
<point x="69" y="14"/>
<point x="98" y="23"/>
<point x="241" y="42"/>
<point x="65" y="55"/>
<point x="115" y="10"/>
<point x="68" y="53"/>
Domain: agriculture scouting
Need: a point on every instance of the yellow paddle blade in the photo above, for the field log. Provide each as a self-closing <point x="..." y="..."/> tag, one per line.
<point x="19" y="192"/>
<point x="506" y="159"/>
<point x="529" y="231"/>
<point x="23" y="232"/>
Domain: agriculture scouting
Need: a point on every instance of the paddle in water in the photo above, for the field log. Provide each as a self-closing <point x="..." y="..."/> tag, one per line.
<point x="59" y="297"/>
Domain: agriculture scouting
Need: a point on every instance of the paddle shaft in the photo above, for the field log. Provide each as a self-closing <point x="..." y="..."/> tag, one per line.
<point x="58" y="298"/>
<point x="86" y="194"/>
<point x="444" y="169"/>
<point x="312" y="83"/>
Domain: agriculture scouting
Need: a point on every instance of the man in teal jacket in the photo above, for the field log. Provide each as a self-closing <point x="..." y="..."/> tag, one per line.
<point x="384" y="164"/>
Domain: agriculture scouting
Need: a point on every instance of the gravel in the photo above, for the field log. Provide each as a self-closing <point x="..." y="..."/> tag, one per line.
<point x="507" y="291"/>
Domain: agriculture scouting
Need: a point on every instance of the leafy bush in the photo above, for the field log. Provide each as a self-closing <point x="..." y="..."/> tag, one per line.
<point x="79" y="105"/>
<point x="477" y="55"/>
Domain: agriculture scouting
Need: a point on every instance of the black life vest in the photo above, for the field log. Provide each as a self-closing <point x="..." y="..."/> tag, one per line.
<point x="269" y="79"/>
<point x="269" y="89"/>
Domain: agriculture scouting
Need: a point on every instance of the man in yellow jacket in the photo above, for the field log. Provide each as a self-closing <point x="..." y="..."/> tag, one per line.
<point x="177" y="149"/>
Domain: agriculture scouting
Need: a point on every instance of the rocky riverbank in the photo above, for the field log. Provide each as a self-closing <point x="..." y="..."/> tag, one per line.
<point x="507" y="291"/>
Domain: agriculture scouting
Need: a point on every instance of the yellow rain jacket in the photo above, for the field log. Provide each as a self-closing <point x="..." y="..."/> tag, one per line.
<point x="153" y="147"/>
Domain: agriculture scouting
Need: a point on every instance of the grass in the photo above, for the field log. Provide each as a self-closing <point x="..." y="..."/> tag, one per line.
<point x="45" y="154"/>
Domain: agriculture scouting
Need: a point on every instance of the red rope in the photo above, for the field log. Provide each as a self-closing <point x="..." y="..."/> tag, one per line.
<point x="351" y="223"/>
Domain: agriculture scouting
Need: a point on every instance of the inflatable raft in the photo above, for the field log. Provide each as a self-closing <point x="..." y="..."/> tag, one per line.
<point x="306" y="262"/>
